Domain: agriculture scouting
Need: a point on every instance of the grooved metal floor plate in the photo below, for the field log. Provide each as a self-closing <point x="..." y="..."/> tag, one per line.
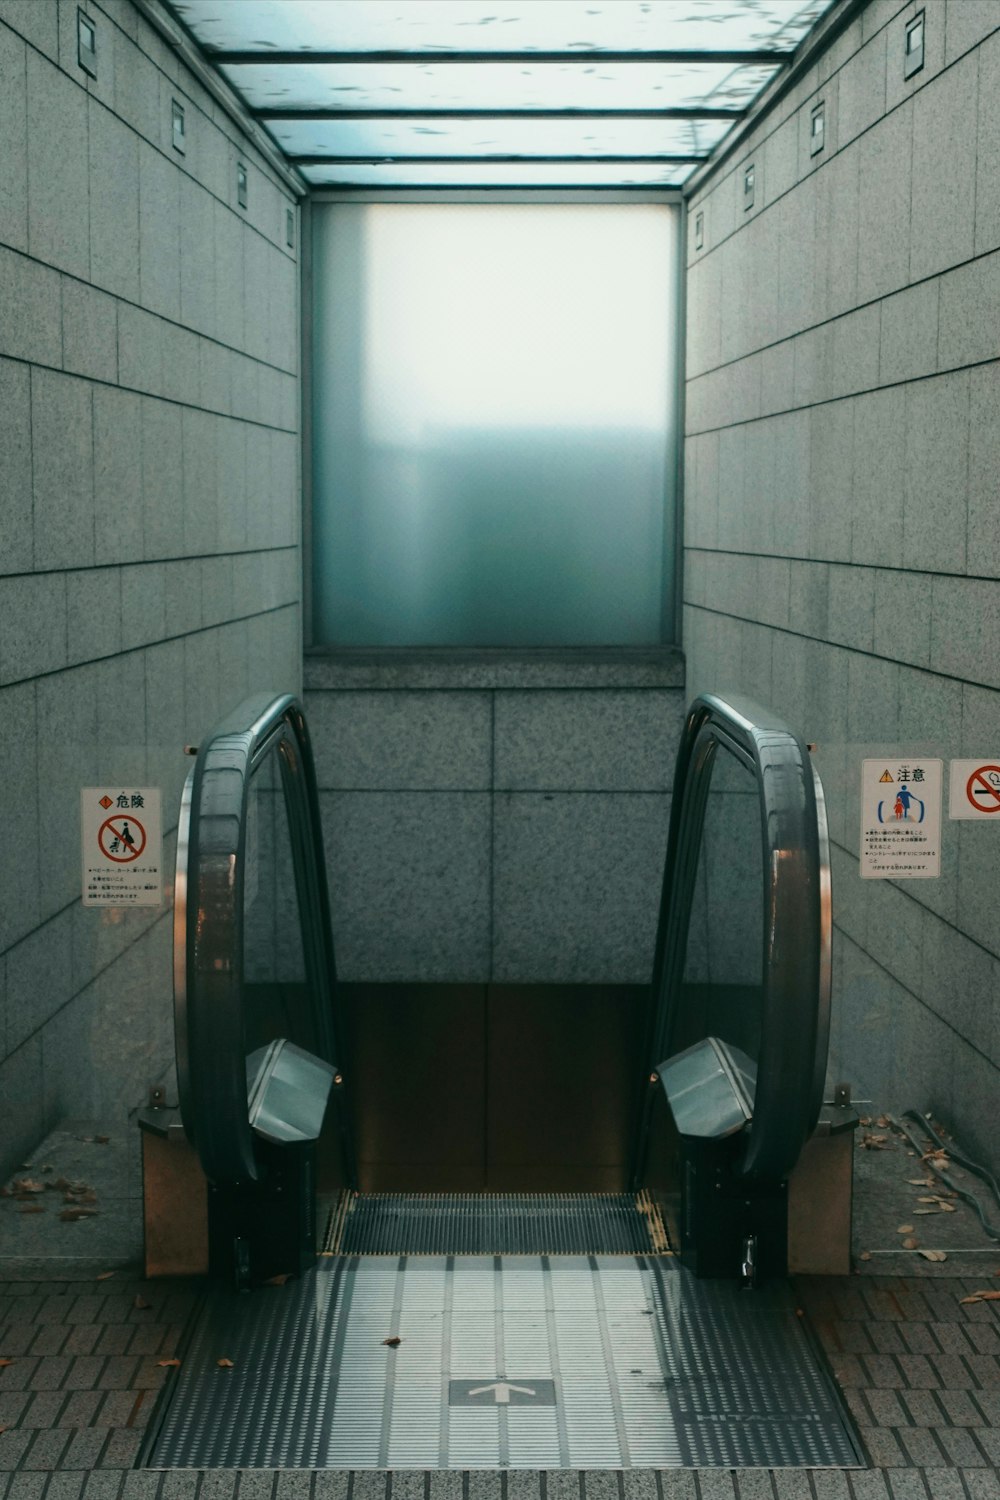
<point x="577" y="1362"/>
<point x="497" y="1224"/>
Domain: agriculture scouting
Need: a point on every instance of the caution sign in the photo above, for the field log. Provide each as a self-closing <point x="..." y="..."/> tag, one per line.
<point x="974" y="789"/>
<point x="122" y="840"/>
<point x="900" y="819"/>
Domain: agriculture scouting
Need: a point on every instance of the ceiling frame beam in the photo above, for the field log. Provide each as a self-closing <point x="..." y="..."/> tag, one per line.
<point x="276" y="59"/>
<point x="277" y="114"/>
<point x="375" y="160"/>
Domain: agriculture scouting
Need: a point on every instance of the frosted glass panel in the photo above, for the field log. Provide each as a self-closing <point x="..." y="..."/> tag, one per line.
<point x="493" y="449"/>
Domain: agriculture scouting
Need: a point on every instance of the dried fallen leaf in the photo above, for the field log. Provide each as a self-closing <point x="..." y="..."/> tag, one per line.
<point x="28" y="1185"/>
<point x="935" y="1255"/>
<point x="918" y="1211"/>
<point x="224" y="1364"/>
<point x="140" y="1303"/>
<point x="169" y="1364"/>
<point x="905" y="1229"/>
<point x="102" y="1140"/>
<point x="70" y="1215"/>
<point x="5" y="1362"/>
<point x="393" y="1342"/>
<point x="865" y="1255"/>
<point x="909" y="1244"/>
<point x="983" y="1297"/>
<point x="88" y="1196"/>
<point x="278" y="1280"/>
<point x="31" y="1208"/>
<point x="865" y="1120"/>
<point x="47" y="1167"/>
<point x="883" y="1121"/>
<point x="874" y="1143"/>
<point x="105" y="1276"/>
<point x="920" y="1182"/>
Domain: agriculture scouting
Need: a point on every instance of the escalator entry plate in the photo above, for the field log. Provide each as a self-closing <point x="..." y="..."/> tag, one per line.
<point x="496" y="1224"/>
<point x="630" y="1362"/>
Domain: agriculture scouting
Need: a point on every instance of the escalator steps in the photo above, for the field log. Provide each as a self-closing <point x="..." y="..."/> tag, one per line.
<point x="496" y="1224"/>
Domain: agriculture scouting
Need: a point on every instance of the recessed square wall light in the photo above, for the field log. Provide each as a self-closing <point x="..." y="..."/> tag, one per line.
<point x="699" y="230"/>
<point x="817" y="128"/>
<point x="241" y="184"/>
<point x="177" y="125"/>
<point x="749" y="182"/>
<point x="86" y="43"/>
<point x="913" y="46"/>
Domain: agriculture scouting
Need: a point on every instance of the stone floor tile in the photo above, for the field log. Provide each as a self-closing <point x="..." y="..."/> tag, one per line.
<point x="27" y="1486"/>
<point x="982" y="1336"/>
<point x="259" y="1485"/>
<point x="116" y="1409"/>
<point x="220" y="1484"/>
<point x="12" y="1447"/>
<point x="887" y="1338"/>
<point x="12" y="1404"/>
<point x="954" y="1373"/>
<point x="84" y="1451"/>
<point x="982" y="1484"/>
<point x="376" y="1486"/>
<point x="49" y="1338"/>
<point x="64" y="1486"/>
<point x="482" y="1486"/>
<point x="945" y="1484"/>
<point x="906" y="1484"/>
<point x="444" y="1485"/>
<point x="920" y="1447"/>
<point x="831" y="1484"/>
<point x="952" y="1338"/>
<point x="119" y="1372"/>
<point x="181" y="1484"/>
<point x="883" y="1448"/>
<point x="918" y="1371"/>
<point x="715" y="1484"/>
<point x="960" y="1447"/>
<point x="985" y="1369"/>
<point x="139" y="1485"/>
<point x="115" y="1339"/>
<point x="17" y="1338"/>
<point x="85" y="1309"/>
<point x="597" y="1484"/>
<point x="960" y="1409"/>
<point x="120" y="1453"/>
<point x="82" y="1338"/>
<point x="83" y="1373"/>
<point x="868" y="1484"/>
<point x="562" y="1484"/>
<point x="106" y="1484"/>
<point x="988" y="1438"/>
<point x="886" y="1408"/>
<point x="47" y="1449"/>
<point x="675" y="1484"/>
<point x="44" y="1409"/>
<point x="791" y="1484"/>
<point x="637" y="1484"/>
<point x="922" y="1408"/>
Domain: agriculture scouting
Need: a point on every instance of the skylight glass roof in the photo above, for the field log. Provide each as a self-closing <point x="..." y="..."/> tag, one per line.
<point x="435" y="92"/>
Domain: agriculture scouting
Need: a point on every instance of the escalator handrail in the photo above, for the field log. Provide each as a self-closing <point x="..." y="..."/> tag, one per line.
<point x="209" y="919"/>
<point x="796" y="918"/>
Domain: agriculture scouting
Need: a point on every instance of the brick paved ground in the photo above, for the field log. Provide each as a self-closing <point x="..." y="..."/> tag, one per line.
<point x="920" y="1371"/>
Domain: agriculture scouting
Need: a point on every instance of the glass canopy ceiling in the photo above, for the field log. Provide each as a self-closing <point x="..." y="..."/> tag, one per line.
<point x="517" y="93"/>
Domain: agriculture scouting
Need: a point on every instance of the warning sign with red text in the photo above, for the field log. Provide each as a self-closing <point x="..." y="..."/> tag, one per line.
<point x="974" y="789"/>
<point x="122" y="838"/>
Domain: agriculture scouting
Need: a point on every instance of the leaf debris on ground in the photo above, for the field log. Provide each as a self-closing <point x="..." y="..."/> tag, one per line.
<point x="982" y="1296"/>
<point x="393" y="1342"/>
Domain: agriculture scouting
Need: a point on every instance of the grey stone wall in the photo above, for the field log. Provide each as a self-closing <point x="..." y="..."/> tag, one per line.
<point x="842" y="546"/>
<point x="496" y="818"/>
<point x="149" y="512"/>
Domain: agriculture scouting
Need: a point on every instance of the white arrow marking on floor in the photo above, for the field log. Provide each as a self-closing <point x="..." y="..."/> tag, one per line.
<point x="502" y="1390"/>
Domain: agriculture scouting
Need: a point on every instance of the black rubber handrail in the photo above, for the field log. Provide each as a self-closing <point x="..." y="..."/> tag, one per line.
<point x="209" y="1021"/>
<point x="796" y="924"/>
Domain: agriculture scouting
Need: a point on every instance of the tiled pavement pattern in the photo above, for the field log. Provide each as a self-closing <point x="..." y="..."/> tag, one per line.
<point x="921" y="1373"/>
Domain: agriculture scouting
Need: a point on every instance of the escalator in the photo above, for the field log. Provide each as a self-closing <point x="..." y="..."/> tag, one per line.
<point x="647" y="1328"/>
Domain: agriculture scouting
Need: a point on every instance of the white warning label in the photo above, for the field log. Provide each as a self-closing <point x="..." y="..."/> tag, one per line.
<point x="900" y="819"/>
<point x="122" y="838"/>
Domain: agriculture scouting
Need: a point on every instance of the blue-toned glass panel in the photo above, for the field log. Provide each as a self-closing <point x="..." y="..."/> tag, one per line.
<point x="493" y="441"/>
<point x="492" y="85"/>
<point x="433" y="136"/>
<point x="498" y="175"/>
<point x="498" y="25"/>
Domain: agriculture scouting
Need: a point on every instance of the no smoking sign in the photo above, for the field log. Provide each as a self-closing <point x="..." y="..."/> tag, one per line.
<point x="121" y="837"/>
<point x="974" y="789"/>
